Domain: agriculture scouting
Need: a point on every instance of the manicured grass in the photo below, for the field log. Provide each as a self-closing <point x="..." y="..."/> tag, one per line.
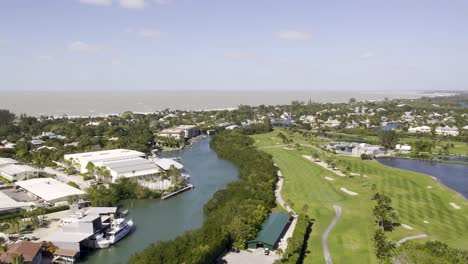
<point x="351" y="239"/>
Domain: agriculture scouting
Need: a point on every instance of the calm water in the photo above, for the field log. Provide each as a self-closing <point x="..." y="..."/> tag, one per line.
<point x="96" y="103"/>
<point x="390" y="126"/>
<point x="454" y="176"/>
<point x="164" y="220"/>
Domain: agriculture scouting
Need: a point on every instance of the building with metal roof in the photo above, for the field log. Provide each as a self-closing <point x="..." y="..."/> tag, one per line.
<point x="81" y="160"/>
<point x="17" y="172"/>
<point x="49" y="189"/>
<point x="272" y="230"/>
<point x="166" y="164"/>
<point x="131" y="168"/>
<point x="8" y="205"/>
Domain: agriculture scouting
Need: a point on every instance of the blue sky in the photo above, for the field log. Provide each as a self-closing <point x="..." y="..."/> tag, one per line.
<point x="233" y="45"/>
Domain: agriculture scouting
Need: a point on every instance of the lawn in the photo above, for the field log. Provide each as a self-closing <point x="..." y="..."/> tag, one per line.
<point x="351" y="239"/>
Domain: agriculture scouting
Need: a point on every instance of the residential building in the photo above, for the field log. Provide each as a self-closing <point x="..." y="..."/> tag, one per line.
<point x="332" y="123"/>
<point x="11" y="170"/>
<point x="421" y="129"/>
<point x="31" y="253"/>
<point x="403" y="148"/>
<point x="447" y="131"/>
<point x="179" y="132"/>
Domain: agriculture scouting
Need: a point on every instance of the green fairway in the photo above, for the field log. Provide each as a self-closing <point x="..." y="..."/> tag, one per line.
<point x="350" y="241"/>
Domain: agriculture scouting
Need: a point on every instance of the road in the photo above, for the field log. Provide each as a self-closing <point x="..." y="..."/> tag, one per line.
<point x="63" y="177"/>
<point x="326" y="251"/>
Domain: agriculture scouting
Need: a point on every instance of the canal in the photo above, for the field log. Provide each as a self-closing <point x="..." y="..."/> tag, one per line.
<point x="454" y="176"/>
<point x="158" y="220"/>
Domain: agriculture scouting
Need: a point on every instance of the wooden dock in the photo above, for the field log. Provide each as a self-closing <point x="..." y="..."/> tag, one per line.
<point x="189" y="186"/>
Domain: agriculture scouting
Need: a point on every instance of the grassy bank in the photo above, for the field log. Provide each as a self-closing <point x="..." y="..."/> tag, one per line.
<point x="350" y="241"/>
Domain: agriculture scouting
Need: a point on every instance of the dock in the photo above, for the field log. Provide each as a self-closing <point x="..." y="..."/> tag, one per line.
<point x="189" y="186"/>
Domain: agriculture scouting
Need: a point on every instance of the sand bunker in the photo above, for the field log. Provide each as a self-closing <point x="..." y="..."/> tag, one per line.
<point x="349" y="192"/>
<point x="354" y="174"/>
<point x="427" y="222"/>
<point x="454" y="205"/>
<point x="329" y="178"/>
<point x="407" y="226"/>
<point x="288" y="148"/>
<point x="280" y="174"/>
<point x="429" y="187"/>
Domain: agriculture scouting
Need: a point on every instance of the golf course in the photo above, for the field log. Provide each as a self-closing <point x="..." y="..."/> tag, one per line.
<point x="424" y="205"/>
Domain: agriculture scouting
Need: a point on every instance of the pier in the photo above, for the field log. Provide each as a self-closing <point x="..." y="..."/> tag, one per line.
<point x="189" y="186"/>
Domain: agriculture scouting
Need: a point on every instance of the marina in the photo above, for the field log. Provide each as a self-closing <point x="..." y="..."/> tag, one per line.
<point x="158" y="220"/>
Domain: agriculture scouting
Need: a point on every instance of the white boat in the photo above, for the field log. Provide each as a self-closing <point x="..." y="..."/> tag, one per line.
<point x="100" y="241"/>
<point x="119" y="229"/>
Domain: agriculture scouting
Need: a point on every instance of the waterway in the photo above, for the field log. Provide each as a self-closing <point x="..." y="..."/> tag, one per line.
<point x="158" y="220"/>
<point x="454" y="176"/>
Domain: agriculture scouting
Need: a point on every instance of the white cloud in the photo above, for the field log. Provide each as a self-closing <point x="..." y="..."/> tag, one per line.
<point x="238" y="55"/>
<point x="149" y="33"/>
<point x="45" y="57"/>
<point x="115" y="62"/>
<point x="97" y="2"/>
<point x="293" y="35"/>
<point x="367" y="54"/>
<point x="162" y="2"/>
<point x="132" y="4"/>
<point x="79" y="46"/>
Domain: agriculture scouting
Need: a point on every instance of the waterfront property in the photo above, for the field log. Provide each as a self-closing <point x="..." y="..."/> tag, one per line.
<point x="272" y="230"/>
<point x="49" y="190"/>
<point x="179" y="132"/>
<point x="81" y="160"/>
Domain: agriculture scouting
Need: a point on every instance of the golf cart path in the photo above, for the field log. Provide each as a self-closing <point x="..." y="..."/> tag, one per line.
<point x="401" y="241"/>
<point x="326" y="251"/>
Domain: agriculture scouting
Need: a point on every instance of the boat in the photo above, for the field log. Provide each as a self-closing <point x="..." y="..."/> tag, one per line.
<point x="119" y="229"/>
<point x="100" y="241"/>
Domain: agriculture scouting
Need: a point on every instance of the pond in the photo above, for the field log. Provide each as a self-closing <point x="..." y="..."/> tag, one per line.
<point x="454" y="176"/>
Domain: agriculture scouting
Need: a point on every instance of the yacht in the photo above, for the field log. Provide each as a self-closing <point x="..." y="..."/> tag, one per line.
<point x="100" y="241"/>
<point x="119" y="229"/>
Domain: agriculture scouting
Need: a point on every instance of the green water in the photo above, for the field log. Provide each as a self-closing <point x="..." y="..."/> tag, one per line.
<point x="157" y="220"/>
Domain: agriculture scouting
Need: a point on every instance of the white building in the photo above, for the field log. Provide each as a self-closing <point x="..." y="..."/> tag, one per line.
<point x="364" y="148"/>
<point x="421" y="129"/>
<point x="12" y="171"/>
<point x="81" y="160"/>
<point x="332" y="123"/>
<point x="184" y="131"/>
<point x="447" y="131"/>
<point x="121" y="163"/>
<point x="403" y="148"/>
<point x="8" y="205"/>
<point x="166" y="164"/>
<point x="49" y="190"/>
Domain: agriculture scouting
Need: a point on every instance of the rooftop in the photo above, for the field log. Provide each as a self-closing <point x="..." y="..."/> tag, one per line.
<point x="105" y="155"/>
<point x="7" y="203"/>
<point x="131" y="165"/>
<point x="165" y="164"/>
<point x="4" y="161"/>
<point x="72" y="237"/>
<point x="49" y="189"/>
<point x="272" y="228"/>
<point x="12" y="169"/>
<point x="28" y="249"/>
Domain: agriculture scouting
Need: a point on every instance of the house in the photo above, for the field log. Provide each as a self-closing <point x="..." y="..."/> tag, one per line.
<point x="368" y="149"/>
<point x="37" y="142"/>
<point x="332" y="123"/>
<point x="179" y="132"/>
<point x="31" y="253"/>
<point x="403" y="148"/>
<point x="66" y="256"/>
<point x="447" y="131"/>
<point x="421" y="129"/>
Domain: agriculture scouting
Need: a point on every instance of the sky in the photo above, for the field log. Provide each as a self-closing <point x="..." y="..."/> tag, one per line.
<point x="233" y="45"/>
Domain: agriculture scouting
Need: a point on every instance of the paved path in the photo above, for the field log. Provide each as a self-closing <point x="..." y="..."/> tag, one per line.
<point x="326" y="251"/>
<point x="410" y="238"/>
<point x="283" y="244"/>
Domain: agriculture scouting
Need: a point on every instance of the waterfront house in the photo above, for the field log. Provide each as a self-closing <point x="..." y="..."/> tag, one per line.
<point x="179" y="132"/>
<point x="421" y="129"/>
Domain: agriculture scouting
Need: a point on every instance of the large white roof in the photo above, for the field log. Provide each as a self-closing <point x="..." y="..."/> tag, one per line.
<point x="12" y="169"/>
<point x="132" y="167"/>
<point x="49" y="189"/>
<point x="7" y="203"/>
<point x="4" y="161"/>
<point x="165" y="164"/>
<point x="105" y="155"/>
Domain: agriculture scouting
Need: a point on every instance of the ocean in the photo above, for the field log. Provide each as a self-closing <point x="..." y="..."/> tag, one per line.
<point x="100" y="103"/>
